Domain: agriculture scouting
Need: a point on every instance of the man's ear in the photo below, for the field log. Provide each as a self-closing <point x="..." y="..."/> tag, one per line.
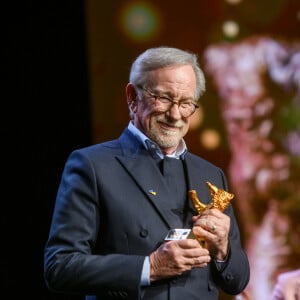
<point x="132" y="97"/>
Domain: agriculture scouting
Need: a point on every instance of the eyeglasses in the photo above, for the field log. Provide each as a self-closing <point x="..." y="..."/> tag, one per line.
<point x="164" y="103"/>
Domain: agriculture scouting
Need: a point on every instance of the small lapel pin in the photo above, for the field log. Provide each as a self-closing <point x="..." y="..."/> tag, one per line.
<point x="152" y="192"/>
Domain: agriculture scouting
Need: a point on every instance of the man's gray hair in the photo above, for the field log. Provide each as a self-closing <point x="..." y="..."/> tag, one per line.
<point x="160" y="57"/>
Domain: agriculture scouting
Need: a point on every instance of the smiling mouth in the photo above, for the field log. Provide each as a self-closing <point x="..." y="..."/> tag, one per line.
<point x="168" y="127"/>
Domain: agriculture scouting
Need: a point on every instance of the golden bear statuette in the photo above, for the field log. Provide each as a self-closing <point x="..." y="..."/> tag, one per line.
<point x="220" y="199"/>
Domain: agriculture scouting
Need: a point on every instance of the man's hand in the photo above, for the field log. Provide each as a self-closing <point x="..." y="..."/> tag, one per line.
<point x="213" y="227"/>
<point x="173" y="258"/>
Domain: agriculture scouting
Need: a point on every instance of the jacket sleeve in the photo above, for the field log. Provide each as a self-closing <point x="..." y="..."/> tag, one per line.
<point x="234" y="274"/>
<point x="69" y="263"/>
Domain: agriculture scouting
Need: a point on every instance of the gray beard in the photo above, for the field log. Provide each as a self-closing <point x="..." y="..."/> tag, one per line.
<point x="165" y="140"/>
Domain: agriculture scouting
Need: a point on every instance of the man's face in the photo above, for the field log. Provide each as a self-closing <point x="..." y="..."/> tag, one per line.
<point x="167" y="128"/>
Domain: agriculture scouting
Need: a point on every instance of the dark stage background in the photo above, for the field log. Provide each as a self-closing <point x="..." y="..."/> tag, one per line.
<point x="45" y="114"/>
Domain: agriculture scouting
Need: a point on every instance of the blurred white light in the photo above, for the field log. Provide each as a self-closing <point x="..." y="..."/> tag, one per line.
<point x="233" y="1"/>
<point x="230" y="29"/>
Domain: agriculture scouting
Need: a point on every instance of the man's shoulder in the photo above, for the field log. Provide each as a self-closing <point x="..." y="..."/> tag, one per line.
<point x="110" y="147"/>
<point x="105" y="146"/>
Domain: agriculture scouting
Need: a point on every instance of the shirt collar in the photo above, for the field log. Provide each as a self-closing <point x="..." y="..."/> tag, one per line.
<point x="153" y="148"/>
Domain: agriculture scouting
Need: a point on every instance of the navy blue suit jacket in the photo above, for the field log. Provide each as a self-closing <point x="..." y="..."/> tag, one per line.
<point x="112" y="210"/>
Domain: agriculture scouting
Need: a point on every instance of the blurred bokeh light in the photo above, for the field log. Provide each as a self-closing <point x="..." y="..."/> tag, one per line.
<point x="139" y="21"/>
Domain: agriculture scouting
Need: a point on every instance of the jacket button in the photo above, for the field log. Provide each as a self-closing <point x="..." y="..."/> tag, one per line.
<point x="144" y="233"/>
<point x="229" y="277"/>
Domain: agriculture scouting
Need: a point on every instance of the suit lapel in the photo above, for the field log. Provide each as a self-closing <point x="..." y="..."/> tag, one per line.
<point x="151" y="183"/>
<point x="135" y="159"/>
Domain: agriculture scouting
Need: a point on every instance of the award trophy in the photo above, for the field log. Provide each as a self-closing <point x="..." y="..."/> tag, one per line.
<point x="220" y="200"/>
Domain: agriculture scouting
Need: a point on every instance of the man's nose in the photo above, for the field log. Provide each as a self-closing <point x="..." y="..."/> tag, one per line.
<point x="174" y="111"/>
